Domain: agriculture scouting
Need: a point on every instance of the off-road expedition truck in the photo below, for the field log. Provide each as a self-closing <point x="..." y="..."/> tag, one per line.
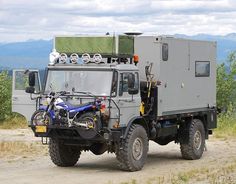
<point x="116" y="93"/>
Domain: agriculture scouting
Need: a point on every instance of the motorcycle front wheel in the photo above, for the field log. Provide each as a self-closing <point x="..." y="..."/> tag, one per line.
<point x="41" y="118"/>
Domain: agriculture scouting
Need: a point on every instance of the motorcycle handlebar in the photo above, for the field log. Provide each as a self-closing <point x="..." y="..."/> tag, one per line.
<point x="57" y="94"/>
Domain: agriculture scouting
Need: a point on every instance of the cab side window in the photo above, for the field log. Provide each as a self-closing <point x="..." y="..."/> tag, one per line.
<point x="123" y="85"/>
<point x="114" y="84"/>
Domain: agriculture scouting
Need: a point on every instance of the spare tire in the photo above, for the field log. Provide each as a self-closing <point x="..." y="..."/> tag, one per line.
<point x="94" y="122"/>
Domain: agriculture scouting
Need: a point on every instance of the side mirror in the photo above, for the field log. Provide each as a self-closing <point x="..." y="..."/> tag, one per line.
<point x="131" y="84"/>
<point x="32" y="79"/>
<point x="30" y="89"/>
<point x="131" y="81"/>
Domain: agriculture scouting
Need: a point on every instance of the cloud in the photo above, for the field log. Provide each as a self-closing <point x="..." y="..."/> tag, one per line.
<point x="41" y="19"/>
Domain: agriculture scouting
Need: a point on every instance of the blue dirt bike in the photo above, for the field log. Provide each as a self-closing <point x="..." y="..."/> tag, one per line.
<point x="58" y="112"/>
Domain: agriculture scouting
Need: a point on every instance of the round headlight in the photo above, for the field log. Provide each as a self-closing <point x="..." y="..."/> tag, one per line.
<point x="63" y="58"/>
<point x="86" y="58"/>
<point x="74" y="58"/>
<point x="97" y="58"/>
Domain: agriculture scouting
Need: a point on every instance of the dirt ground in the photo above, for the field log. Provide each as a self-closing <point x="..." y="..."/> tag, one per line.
<point x="163" y="164"/>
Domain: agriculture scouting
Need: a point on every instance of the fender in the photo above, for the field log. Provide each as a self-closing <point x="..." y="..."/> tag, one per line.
<point x="51" y="113"/>
<point x="136" y="120"/>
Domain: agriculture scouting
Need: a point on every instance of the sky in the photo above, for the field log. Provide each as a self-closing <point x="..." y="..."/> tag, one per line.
<point x="22" y="20"/>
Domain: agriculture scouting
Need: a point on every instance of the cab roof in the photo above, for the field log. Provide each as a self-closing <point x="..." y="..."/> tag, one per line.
<point x="93" y="66"/>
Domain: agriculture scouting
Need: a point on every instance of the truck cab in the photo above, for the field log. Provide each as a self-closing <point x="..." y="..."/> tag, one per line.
<point x="101" y="80"/>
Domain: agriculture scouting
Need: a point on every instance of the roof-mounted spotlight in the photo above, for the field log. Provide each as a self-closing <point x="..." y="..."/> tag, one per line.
<point x="97" y="58"/>
<point x="53" y="57"/>
<point x="86" y="58"/>
<point x="74" y="58"/>
<point x="63" y="58"/>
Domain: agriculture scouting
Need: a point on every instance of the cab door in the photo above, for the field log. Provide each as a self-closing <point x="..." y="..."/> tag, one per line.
<point x="21" y="101"/>
<point x="128" y="103"/>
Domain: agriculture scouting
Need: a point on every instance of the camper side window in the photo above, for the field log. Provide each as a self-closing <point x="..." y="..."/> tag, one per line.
<point x="165" y="51"/>
<point x="202" y="68"/>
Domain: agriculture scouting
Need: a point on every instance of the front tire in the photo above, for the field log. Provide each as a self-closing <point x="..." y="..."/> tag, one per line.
<point x="38" y="118"/>
<point x="132" y="153"/>
<point x="63" y="155"/>
<point x="193" y="143"/>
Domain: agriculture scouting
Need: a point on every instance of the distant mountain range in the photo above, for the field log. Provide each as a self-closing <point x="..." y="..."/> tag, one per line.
<point x="28" y="54"/>
<point x="225" y="44"/>
<point x="34" y="53"/>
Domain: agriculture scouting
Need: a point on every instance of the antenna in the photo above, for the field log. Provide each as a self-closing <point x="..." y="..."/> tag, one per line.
<point x="133" y="33"/>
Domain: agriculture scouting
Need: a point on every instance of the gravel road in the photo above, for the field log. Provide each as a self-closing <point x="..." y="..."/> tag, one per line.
<point x="163" y="161"/>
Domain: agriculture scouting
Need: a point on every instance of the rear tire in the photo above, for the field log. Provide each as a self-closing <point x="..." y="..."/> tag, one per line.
<point x="193" y="143"/>
<point x="63" y="155"/>
<point x="132" y="153"/>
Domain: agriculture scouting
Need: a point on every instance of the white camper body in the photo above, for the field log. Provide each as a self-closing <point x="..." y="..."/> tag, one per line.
<point x="185" y="68"/>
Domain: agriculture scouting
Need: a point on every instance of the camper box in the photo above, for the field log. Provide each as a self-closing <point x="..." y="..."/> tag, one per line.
<point x="185" y="68"/>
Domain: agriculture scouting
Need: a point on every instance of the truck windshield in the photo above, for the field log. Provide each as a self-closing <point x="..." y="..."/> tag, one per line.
<point x="94" y="82"/>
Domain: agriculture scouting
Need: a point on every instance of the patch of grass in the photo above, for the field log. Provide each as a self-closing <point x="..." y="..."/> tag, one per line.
<point x="133" y="181"/>
<point x="184" y="177"/>
<point x="213" y="175"/>
<point x="14" y="122"/>
<point x="157" y="180"/>
<point x="23" y="149"/>
<point x="223" y="175"/>
<point x="226" y="126"/>
<point x="219" y="175"/>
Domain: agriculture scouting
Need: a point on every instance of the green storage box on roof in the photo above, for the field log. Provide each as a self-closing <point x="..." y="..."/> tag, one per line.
<point x="104" y="45"/>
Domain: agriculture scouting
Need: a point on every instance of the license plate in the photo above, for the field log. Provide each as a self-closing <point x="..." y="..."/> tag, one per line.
<point x="40" y="129"/>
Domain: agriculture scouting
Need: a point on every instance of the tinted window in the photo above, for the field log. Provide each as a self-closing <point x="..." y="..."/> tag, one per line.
<point x="165" y="51"/>
<point x="202" y="68"/>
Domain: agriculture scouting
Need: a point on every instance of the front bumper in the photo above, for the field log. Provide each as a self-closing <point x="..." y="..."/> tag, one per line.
<point x="72" y="133"/>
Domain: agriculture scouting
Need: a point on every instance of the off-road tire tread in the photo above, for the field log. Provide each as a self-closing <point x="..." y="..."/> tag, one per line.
<point x="63" y="155"/>
<point x="186" y="148"/>
<point x="123" y="151"/>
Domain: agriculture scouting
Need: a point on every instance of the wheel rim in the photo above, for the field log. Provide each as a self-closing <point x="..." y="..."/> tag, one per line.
<point x="197" y="140"/>
<point x="39" y="120"/>
<point x="137" y="149"/>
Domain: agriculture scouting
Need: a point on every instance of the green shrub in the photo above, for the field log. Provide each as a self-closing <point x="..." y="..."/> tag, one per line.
<point x="226" y="124"/>
<point x="5" y="95"/>
<point x="226" y="84"/>
<point x="14" y="121"/>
